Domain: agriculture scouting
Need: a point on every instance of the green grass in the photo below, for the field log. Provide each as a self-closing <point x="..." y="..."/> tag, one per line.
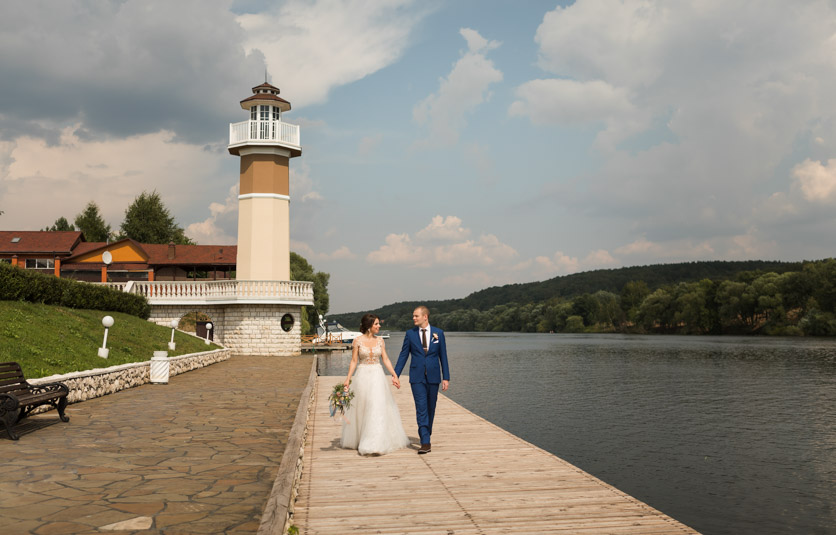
<point x="47" y="339"/>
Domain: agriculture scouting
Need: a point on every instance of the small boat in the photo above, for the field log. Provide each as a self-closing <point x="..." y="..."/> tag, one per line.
<point x="333" y="333"/>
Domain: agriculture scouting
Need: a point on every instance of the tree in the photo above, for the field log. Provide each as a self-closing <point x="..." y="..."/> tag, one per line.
<point x="736" y="304"/>
<point x="61" y="224"/>
<point x="587" y="307"/>
<point x="693" y="307"/>
<point x="609" y="313"/>
<point x="91" y="224"/>
<point x="657" y="310"/>
<point x="632" y="295"/>
<point x="147" y="220"/>
<point x="302" y="270"/>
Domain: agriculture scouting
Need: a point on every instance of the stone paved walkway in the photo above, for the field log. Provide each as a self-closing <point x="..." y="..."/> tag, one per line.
<point x="197" y="455"/>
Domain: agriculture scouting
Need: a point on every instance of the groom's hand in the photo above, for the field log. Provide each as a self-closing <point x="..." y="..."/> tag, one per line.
<point x="396" y="382"/>
<point x="445" y="385"/>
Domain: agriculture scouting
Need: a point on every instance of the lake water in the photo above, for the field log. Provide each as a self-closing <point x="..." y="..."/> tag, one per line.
<point x="730" y="435"/>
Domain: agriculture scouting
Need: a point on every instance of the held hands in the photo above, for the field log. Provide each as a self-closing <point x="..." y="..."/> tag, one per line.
<point x="396" y="382"/>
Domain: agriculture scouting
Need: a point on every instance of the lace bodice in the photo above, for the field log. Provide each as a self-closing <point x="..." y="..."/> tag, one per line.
<point x="370" y="355"/>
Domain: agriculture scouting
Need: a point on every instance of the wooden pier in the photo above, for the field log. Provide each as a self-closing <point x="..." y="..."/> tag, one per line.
<point x="479" y="479"/>
<point x="325" y="347"/>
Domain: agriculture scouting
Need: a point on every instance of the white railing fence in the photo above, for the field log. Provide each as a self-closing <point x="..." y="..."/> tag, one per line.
<point x="225" y="291"/>
<point x="219" y="292"/>
<point x="273" y="131"/>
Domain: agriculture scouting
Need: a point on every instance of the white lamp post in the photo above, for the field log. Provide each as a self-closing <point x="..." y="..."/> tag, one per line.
<point x="172" y="345"/>
<point x="107" y="322"/>
<point x="208" y="330"/>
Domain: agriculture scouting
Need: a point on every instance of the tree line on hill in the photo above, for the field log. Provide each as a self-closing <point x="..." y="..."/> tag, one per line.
<point x="147" y="220"/>
<point x="755" y="297"/>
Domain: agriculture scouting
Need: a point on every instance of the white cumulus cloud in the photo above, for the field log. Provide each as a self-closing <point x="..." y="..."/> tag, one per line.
<point x="460" y="93"/>
<point x="312" y="47"/>
<point x="817" y="181"/>
<point x="443" y="243"/>
<point x="569" y="101"/>
<point x="443" y="228"/>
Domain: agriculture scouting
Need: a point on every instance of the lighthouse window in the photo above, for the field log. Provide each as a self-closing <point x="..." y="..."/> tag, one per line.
<point x="254" y="113"/>
<point x="277" y="114"/>
<point x="265" y="113"/>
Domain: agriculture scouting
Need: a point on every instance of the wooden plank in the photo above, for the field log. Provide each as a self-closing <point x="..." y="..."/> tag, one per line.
<point x="479" y="479"/>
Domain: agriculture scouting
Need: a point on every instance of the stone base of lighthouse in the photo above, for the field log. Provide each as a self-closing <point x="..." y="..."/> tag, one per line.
<point x="245" y="329"/>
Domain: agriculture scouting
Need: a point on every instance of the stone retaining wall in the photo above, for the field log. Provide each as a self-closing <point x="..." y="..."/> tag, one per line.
<point x="246" y="329"/>
<point x="99" y="382"/>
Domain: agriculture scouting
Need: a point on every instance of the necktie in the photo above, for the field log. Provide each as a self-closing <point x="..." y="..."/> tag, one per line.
<point x="424" y="339"/>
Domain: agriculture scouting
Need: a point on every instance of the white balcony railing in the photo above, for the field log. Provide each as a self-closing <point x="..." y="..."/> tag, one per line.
<point x="262" y="132"/>
<point x="224" y="292"/>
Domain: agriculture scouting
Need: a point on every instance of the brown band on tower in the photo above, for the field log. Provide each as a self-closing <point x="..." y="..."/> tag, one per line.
<point x="264" y="173"/>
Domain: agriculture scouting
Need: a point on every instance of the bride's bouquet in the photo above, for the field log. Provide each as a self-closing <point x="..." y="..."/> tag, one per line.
<point x="340" y="400"/>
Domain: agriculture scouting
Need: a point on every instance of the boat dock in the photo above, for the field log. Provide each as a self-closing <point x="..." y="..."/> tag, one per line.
<point x="325" y="347"/>
<point x="479" y="479"/>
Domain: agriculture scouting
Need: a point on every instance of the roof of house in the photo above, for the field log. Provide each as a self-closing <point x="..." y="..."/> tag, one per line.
<point x="192" y="254"/>
<point x="72" y="245"/>
<point x="37" y="241"/>
<point x="183" y="254"/>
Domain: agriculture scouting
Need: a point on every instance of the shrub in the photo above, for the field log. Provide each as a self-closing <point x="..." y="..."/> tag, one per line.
<point x="21" y="285"/>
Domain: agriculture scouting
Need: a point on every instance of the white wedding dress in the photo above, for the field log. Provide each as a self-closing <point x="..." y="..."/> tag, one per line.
<point x="372" y="424"/>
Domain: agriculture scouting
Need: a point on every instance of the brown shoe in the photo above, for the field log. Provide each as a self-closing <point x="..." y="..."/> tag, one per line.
<point x="425" y="448"/>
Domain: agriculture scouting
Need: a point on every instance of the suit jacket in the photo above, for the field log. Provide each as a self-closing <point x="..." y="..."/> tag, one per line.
<point x="431" y="367"/>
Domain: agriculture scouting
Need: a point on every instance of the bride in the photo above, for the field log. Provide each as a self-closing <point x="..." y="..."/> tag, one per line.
<point x="372" y="423"/>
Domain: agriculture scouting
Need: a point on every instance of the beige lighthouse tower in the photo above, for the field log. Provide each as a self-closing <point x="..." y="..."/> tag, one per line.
<point x="265" y="145"/>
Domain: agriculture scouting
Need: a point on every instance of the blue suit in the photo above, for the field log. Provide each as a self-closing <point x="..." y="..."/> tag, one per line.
<point x="425" y="373"/>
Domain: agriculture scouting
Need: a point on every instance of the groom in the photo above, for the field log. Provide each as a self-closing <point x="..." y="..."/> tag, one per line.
<point x="427" y="369"/>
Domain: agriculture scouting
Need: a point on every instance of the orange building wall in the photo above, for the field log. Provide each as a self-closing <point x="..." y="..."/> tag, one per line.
<point x="123" y="253"/>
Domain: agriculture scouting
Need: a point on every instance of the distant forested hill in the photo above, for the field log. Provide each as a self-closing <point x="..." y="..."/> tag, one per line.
<point x="565" y="288"/>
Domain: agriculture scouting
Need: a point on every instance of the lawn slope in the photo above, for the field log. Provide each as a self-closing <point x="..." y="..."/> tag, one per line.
<point x="47" y="339"/>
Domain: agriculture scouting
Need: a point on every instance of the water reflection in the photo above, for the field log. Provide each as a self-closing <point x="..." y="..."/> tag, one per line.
<point x="729" y="435"/>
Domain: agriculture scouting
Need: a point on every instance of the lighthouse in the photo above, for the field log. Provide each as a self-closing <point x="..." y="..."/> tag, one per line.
<point x="265" y="145"/>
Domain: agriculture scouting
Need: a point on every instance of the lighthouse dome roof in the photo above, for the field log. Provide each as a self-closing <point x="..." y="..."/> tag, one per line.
<point x="265" y="94"/>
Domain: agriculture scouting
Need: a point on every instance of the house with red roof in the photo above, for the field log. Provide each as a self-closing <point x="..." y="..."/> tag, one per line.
<point x="67" y="254"/>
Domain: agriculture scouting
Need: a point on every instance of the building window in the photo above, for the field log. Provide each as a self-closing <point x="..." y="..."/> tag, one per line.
<point x="5" y="260"/>
<point x="277" y="113"/>
<point x="254" y="113"/>
<point x="287" y="322"/>
<point x="40" y="263"/>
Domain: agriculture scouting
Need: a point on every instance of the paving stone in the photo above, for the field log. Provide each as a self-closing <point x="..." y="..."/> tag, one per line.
<point x="60" y="528"/>
<point x="164" y="520"/>
<point x="140" y="522"/>
<point x="150" y="508"/>
<point x="7" y="525"/>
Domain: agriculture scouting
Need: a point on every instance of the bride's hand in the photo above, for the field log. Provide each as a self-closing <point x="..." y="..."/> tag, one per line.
<point x="396" y="382"/>
<point x="346" y="383"/>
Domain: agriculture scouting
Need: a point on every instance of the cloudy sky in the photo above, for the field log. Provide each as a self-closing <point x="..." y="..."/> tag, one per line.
<point x="447" y="145"/>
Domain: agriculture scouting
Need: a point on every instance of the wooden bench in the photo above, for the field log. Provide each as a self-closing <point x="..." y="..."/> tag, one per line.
<point x="18" y="398"/>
